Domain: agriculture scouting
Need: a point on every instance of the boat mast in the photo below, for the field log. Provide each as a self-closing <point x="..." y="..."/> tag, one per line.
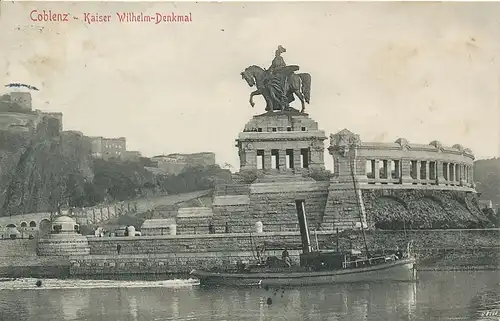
<point x="360" y="208"/>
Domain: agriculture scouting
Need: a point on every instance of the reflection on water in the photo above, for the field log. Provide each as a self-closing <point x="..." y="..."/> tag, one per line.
<point x="437" y="296"/>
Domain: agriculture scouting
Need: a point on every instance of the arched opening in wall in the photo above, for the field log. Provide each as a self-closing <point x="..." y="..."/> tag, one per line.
<point x="44" y="227"/>
<point x="12" y="232"/>
<point x="32" y="224"/>
<point x="24" y="224"/>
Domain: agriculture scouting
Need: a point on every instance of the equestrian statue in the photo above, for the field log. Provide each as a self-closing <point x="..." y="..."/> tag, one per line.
<point x="278" y="84"/>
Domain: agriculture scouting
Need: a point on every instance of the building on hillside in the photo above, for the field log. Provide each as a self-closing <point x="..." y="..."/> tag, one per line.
<point x="22" y="99"/>
<point x="131" y="156"/>
<point x="17" y="115"/>
<point x="107" y="148"/>
<point x="175" y="163"/>
<point x="54" y="120"/>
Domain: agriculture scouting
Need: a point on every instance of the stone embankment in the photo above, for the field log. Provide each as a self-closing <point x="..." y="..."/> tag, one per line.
<point x="436" y="249"/>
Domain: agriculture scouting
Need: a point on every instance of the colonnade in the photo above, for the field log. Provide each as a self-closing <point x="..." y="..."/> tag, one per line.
<point x="418" y="171"/>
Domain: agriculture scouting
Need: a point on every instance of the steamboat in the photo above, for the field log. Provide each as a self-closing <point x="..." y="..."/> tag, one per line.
<point x="317" y="267"/>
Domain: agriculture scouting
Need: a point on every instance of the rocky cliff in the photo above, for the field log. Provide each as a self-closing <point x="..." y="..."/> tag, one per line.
<point x="39" y="168"/>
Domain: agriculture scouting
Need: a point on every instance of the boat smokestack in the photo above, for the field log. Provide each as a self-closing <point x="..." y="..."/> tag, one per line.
<point x="304" y="228"/>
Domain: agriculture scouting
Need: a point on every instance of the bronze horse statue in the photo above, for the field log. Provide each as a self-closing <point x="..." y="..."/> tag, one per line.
<point x="271" y="87"/>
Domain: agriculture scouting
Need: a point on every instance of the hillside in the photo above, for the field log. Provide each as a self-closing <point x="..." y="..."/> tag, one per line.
<point x="44" y="171"/>
<point x="487" y="178"/>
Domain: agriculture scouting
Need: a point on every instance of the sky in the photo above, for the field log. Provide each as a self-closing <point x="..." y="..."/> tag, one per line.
<point x="422" y="71"/>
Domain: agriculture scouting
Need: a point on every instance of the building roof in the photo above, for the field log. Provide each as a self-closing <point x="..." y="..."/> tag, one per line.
<point x="158" y="223"/>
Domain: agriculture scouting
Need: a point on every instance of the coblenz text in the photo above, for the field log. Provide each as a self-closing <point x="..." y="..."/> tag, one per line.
<point x="49" y="15"/>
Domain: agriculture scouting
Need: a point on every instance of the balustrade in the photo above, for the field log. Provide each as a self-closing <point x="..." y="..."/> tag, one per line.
<point x="416" y="172"/>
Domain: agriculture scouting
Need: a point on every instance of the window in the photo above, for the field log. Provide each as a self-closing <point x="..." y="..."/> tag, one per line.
<point x="274" y="129"/>
<point x="304" y="129"/>
<point x="259" y="129"/>
<point x="289" y="129"/>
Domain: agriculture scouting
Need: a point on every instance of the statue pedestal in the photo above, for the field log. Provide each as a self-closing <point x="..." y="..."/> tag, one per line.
<point x="281" y="141"/>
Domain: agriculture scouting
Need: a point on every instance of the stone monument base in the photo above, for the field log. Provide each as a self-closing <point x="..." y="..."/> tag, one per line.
<point x="63" y="244"/>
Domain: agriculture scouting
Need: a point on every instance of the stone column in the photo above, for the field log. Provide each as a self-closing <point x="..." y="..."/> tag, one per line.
<point x="282" y="159"/>
<point x="296" y="158"/>
<point x="267" y="159"/>
<point x="449" y="172"/>
<point x="389" y="169"/>
<point x="405" y="171"/>
<point x="427" y="170"/>
<point x="418" y="166"/>
<point x="376" y="170"/>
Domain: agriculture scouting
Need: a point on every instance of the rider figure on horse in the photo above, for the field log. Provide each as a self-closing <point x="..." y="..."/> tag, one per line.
<point x="279" y="69"/>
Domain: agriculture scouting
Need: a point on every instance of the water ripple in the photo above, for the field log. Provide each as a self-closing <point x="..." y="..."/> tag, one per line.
<point x="30" y="284"/>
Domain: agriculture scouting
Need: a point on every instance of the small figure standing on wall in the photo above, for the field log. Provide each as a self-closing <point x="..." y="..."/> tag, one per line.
<point x="286" y="258"/>
<point x="211" y="228"/>
<point x="118" y="248"/>
<point x="227" y="227"/>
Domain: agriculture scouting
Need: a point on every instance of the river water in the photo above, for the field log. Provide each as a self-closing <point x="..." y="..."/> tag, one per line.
<point x="436" y="296"/>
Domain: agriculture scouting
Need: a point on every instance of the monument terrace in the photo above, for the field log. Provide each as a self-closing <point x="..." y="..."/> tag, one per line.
<point x="281" y="152"/>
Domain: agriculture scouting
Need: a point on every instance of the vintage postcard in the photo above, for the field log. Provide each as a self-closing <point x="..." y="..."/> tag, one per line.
<point x="249" y="161"/>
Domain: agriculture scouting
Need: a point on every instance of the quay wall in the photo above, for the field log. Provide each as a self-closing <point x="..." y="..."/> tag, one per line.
<point x="436" y="249"/>
<point x="222" y="242"/>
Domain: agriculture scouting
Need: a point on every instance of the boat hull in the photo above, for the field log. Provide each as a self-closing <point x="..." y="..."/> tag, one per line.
<point x="402" y="270"/>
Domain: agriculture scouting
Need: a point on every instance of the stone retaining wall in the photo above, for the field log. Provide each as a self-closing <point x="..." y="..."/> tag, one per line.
<point x="380" y="240"/>
<point x="181" y="253"/>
